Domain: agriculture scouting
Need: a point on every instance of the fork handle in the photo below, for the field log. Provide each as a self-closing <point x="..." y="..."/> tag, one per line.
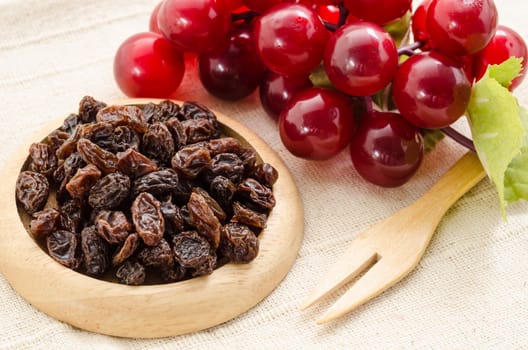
<point x="459" y="179"/>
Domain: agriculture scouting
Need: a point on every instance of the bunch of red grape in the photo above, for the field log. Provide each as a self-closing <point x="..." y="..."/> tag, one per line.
<point x="277" y="45"/>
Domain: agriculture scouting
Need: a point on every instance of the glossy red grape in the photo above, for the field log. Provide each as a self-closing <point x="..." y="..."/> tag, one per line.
<point x="195" y="25"/>
<point x="459" y="28"/>
<point x="386" y="149"/>
<point x="276" y="90"/>
<point x="505" y="44"/>
<point x="153" y="22"/>
<point x="317" y="123"/>
<point x="234" y="71"/>
<point x="361" y="59"/>
<point x="378" y="11"/>
<point x="234" y="4"/>
<point x="148" y="65"/>
<point x="290" y="39"/>
<point x="261" y="5"/>
<point x="431" y="91"/>
<point x="329" y="13"/>
<point x="418" y="22"/>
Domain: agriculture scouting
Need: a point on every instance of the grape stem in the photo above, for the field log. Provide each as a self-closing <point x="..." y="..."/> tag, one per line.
<point x="343" y="14"/>
<point x="408" y="50"/>
<point x="245" y="16"/>
<point x="458" y="137"/>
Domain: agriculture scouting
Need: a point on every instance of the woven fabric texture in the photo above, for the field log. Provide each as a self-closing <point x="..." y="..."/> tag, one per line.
<point x="470" y="291"/>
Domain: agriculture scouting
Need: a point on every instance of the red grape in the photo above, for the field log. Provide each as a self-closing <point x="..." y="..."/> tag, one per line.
<point x="148" y="65"/>
<point x="431" y="91"/>
<point x="505" y="44"/>
<point x="195" y="25"/>
<point x="386" y="149"/>
<point x="378" y="11"/>
<point x="153" y="22"/>
<point x="329" y="13"/>
<point x="419" y="22"/>
<point x="317" y="123"/>
<point x="234" y="71"/>
<point x="276" y="90"/>
<point x="361" y="59"/>
<point x="459" y="28"/>
<point x="290" y="39"/>
<point x="234" y="4"/>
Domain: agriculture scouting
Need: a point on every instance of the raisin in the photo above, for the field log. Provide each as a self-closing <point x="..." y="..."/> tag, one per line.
<point x="222" y="189"/>
<point x="160" y="112"/>
<point x="113" y="226"/>
<point x="95" y="252"/>
<point x="157" y="256"/>
<point x="88" y="109"/>
<point x="71" y="215"/>
<point x="131" y="273"/>
<point x="70" y="123"/>
<point x="228" y="165"/>
<point x="197" y="130"/>
<point x="239" y="244"/>
<point x="62" y="247"/>
<point x="70" y="145"/>
<point x="173" y="274"/>
<point x="247" y="216"/>
<point x="178" y="132"/>
<point x="125" y="138"/>
<point x="191" y="160"/>
<point x="203" y="219"/>
<point x="126" y="250"/>
<point x="93" y="154"/>
<point x="44" y="222"/>
<point x="148" y="218"/>
<point x="56" y="139"/>
<point x="182" y="192"/>
<point x="109" y="191"/>
<point x="194" y="110"/>
<point x="157" y="183"/>
<point x="172" y="215"/>
<point x="158" y="144"/>
<point x="102" y="134"/>
<point x="32" y="191"/>
<point x="131" y="116"/>
<point x="215" y="207"/>
<point x="248" y="156"/>
<point x="193" y="251"/>
<point x="82" y="181"/>
<point x="265" y="173"/>
<point x="135" y="164"/>
<point x="225" y="145"/>
<point x="257" y="193"/>
<point x="72" y="164"/>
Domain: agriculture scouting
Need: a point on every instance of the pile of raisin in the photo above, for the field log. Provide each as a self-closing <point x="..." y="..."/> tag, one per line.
<point x="145" y="194"/>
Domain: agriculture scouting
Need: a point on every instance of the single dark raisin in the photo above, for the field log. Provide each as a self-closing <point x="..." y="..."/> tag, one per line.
<point x="135" y="164"/>
<point x="32" y="191"/>
<point x="131" y="116"/>
<point x="124" y="138"/>
<point x="225" y="145"/>
<point x="95" y="252"/>
<point x="148" y="218"/>
<point x="191" y="160"/>
<point x="109" y="191"/>
<point x="131" y="273"/>
<point x="203" y="219"/>
<point x="101" y="134"/>
<point x="222" y="189"/>
<point x="56" y="139"/>
<point x="44" y="222"/>
<point x="158" y="144"/>
<point x="158" y="183"/>
<point x="177" y="130"/>
<point x="256" y="193"/>
<point x="194" y="252"/>
<point x="160" y="112"/>
<point x="247" y="216"/>
<point x="70" y="123"/>
<point x="126" y="250"/>
<point x="88" y="109"/>
<point x="93" y="154"/>
<point x="174" y="222"/>
<point x="113" y="226"/>
<point x="197" y="130"/>
<point x="157" y="256"/>
<point x="62" y="247"/>
<point x="83" y="180"/>
<point x="215" y="207"/>
<point x="238" y="243"/>
<point x="72" y="215"/>
<point x="228" y="165"/>
<point x="265" y="173"/>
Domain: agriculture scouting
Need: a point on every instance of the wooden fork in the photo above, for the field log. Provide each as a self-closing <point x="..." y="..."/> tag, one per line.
<point x="394" y="246"/>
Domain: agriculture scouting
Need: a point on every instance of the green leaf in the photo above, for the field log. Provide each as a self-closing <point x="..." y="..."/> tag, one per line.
<point x="497" y="130"/>
<point x="516" y="177"/>
<point x="505" y="72"/>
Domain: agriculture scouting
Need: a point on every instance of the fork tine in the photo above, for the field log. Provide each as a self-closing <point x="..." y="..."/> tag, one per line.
<point x="351" y="264"/>
<point x="377" y="279"/>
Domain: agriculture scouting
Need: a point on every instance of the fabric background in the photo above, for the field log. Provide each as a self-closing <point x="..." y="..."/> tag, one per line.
<point x="469" y="291"/>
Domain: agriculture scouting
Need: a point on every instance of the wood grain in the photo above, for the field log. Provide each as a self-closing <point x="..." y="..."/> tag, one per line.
<point x="155" y="310"/>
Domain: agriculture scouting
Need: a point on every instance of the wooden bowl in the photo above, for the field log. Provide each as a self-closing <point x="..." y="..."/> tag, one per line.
<point x="155" y="310"/>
